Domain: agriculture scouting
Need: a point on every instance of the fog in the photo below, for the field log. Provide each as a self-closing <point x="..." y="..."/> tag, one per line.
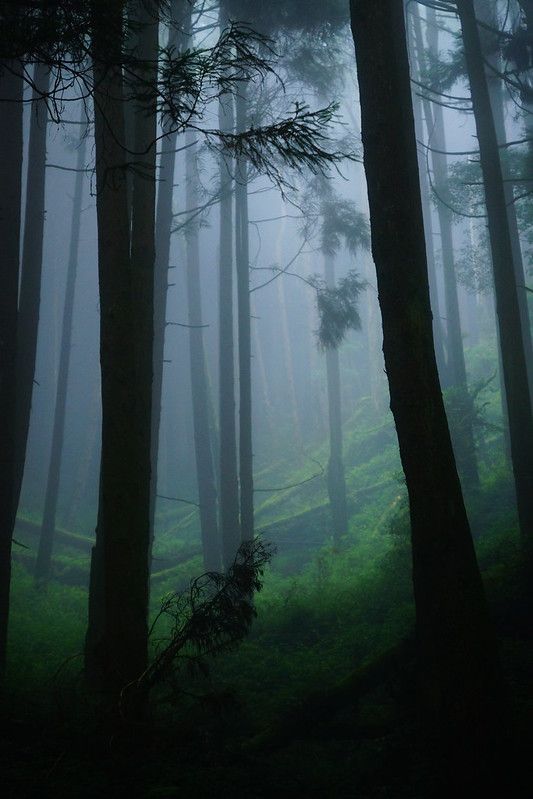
<point x="266" y="375"/>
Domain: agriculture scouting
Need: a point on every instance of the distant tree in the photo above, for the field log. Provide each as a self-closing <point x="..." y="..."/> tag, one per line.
<point x="462" y="434"/>
<point x="459" y="674"/>
<point x="283" y="22"/>
<point x="179" y="24"/>
<point x="242" y="260"/>
<point x="46" y="541"/>
<point x="341" y="223"/>
<point x="203" y="444"/>
<point x="507" y="303"/>
<point x="230" y="530"/>
<point x="490" y="43"/>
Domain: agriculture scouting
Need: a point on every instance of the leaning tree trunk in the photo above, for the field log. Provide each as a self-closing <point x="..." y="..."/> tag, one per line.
<point x="336" y="480"/>
<point x="46" y="541"/>
<point x="229" y="487"/>
<point x="459" y="676"/>
<point x="462" y="427"/>
<point x="507" y="304"/>
<point x="489" y="41"/>
<point x="117" y="651"/>
<point x="10" y="215"/>
<point x="438" y="331"/>
<point x="31" y="271"/>
<point x="205" y="472"/>
<point x="242" y="258"/>
<point x="180" y="12"/>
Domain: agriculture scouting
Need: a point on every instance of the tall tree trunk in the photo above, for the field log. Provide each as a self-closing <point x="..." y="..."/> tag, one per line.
<point x="242" y="258"/>
<point x="266" y="411"/>
<point x="31" y="271"/>
<point x="459" y="675"/>
<point x="336" y="481"/>
<point x="508" y="311"/>
<point x="229" y="487"/>
<point x="180" y="12"/>
<point x="438" y="332"/>
<point x="487" y="15"/>
<point x="10" y="217"/>
<point x="116" y="654"/>
<point x="46" y="541"/>
<point x="284" y="336"/>
<point x="462" y="429"/>
<point x="207" y="492"/>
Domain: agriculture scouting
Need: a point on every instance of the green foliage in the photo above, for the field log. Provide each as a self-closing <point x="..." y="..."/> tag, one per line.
<point x="342" y="224"/>
<point x="337" y="309"/>
<point x="213" y="616"/>
<point x="301" y="142"/>
<point x="46" y="631"/>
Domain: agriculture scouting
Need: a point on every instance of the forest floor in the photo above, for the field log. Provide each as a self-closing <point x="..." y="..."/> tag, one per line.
<point x="317" y="701"/>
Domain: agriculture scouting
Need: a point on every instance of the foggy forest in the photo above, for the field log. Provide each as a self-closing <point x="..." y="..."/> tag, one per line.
<point x="266" y="383"/>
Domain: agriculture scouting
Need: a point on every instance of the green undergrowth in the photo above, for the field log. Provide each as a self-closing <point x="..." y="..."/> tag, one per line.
<point x="316" y="626"/>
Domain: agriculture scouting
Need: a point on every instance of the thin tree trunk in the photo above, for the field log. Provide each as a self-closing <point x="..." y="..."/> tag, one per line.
<point x="242" y="258"/>
<point x="508" y="311"/>
<point x="10" y="218"/>
<point x="462" y="431"/>
<point x="229" y="487"/>
<point x="207" y="492"/>
<point x="178" y="36"/>
<point x="267" y="409"/>
<point x="284" y="335"/>
<point x="459" y="675"/>
<point x="486" y="14"/>
<point x="46" y="541"/>
<point x="336" y="481"/>
<point x="438" y="332"/>
<point x="31" y="271"/>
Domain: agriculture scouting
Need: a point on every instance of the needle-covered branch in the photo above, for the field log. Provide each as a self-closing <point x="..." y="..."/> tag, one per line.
<point x="212" y="617"/>
<point x="191" y="80"/>
<point x="301" y="142"/>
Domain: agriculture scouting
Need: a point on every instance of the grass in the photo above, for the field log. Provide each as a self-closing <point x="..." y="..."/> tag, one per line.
<point x="320" y="616"/>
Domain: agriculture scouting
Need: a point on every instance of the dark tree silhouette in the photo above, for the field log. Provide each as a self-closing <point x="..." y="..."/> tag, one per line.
<point x="459" y="675"/>
<point x="507" y="304"/>
<point x="10" y="217"/>
<point x="46" y="541"/>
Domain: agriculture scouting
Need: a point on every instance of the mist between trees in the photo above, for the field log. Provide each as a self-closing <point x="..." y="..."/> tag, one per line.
<point x="265" y="387"/>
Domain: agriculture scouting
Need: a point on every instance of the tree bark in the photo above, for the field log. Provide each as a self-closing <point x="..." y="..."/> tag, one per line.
<point x="117" y="637"/>
<point x="507" y="305"/>
<point x="31" y="271"/>
<point x="178" y="35"/>
<point x="336" y="481"/>
<point x="283" y="333"/>
<point x="207" y="492"/>
<point x="10" y="217"/>
<point x="487" y="14"/>
<point x="46" y="541"/>
<point x="242" y="258"/>
<point x="459" y="675"/>
<point x="229" y="487"/>
<point x="462" y="430"/>
<point x="438" y="331"/>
